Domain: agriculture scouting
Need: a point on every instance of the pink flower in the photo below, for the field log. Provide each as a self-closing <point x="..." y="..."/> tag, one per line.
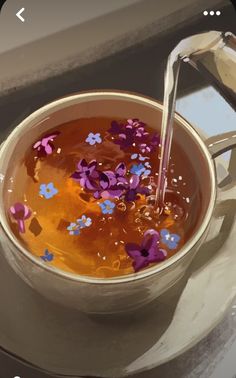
<point x="20" y="213"/>
<point x="45" y="146"/>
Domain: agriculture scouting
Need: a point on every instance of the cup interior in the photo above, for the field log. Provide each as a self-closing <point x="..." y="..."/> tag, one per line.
<point x="118" y="106"/>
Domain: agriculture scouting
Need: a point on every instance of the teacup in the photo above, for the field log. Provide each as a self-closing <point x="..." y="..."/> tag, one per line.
<point x="125" y="293"/>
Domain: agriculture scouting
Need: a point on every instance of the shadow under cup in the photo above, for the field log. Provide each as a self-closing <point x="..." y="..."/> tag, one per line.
<point x="118" y="294"/>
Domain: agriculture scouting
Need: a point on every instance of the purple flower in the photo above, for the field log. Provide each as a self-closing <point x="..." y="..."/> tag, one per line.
<point x="86" y="174"/>
<point x="45" y="146"/>
<point x="145" y="148"/>
<point x="133" y="133"/>
<point x="126" y="139"/>
<point x="155" y="140"/>
<point x="140" y="132"/>
<point x="151" y="144"/>
<point x="127" y="133"/>
<point x="20" y="213"/>
<point x="119" y="174"/>
<point x="134" y="189"/>
<point x="116" y="128"/>
<point x="134" y="124"/>
<point x="171" y="240"/>
<point x="146" y="253"/>
<point x="94" y="138"/>
<point x="112" y="184"/>
<point x="137" y="127"/>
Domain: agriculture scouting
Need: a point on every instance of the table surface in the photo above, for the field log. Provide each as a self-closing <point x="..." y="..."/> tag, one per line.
<point x="215" y="355"/>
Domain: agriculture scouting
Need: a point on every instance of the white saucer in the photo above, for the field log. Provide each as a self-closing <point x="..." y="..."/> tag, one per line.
<point x="67" y="342"/>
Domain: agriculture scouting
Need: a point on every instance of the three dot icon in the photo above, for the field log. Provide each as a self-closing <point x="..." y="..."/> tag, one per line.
<point x="212" y="13"/>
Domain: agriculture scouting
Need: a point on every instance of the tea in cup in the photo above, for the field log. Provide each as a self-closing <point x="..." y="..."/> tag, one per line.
<point x="78" y="221"/>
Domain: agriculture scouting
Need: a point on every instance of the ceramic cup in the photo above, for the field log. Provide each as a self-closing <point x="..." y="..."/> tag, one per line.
<point x="118" y="294"/>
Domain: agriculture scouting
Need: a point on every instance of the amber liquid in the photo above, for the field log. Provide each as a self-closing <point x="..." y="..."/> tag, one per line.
<point x="99" y="250"/>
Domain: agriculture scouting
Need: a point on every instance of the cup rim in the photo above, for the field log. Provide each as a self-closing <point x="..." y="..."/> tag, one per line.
<point x="112" y="94"/>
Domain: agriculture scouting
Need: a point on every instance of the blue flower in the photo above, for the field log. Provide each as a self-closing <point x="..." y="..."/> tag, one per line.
<point x="147" y="171"/>
<point x="47" y="256"/>
<point x="143" y="158"/>
<point x="84" y="221"/>
<point x="171" y="240"/>
<point x="137" y="169"/>
<point x="48" y="190"/>
<point x="139" y="157"/>
<point x="134" y="156"/>
<point x="74" y="229"/>
<point x="107" y="207"/>
<point x="140" y="169"/>
<point x="94" y="138"/>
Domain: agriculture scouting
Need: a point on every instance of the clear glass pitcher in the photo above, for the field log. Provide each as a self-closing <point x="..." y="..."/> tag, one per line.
<point x="213" y="54"/>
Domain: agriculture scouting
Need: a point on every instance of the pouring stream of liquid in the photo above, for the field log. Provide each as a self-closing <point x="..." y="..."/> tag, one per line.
<point x="171" y="82"/>
<point x="186" y="50"/>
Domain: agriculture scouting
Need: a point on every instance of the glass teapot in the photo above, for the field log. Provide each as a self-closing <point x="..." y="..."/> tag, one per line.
<point x="213" y="54"/>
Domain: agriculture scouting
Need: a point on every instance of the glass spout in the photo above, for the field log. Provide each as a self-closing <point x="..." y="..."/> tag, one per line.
<point x="213" y="54"/>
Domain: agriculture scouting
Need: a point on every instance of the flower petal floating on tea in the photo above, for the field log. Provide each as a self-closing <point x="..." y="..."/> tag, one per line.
<point x="134" y="188"/>
<point x="171" y="240"/>
<point x="20" y="213"/>
<point x="48" y="190"/>
<point x="86" y="174"/>
<point x="74" y="228"/>
<point x="94" y="138"/>
<point x="84" y="221"/>
<point x="47" y="256"/>
<point x="45" y="146"/>
<point x="107" y="207"/>
<point x="147" y="252"/>
<point x="141" y="169"/>
<point x="112" y="184"/>
<point x="133" y="133"/>
<point x="139" y="157"/>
